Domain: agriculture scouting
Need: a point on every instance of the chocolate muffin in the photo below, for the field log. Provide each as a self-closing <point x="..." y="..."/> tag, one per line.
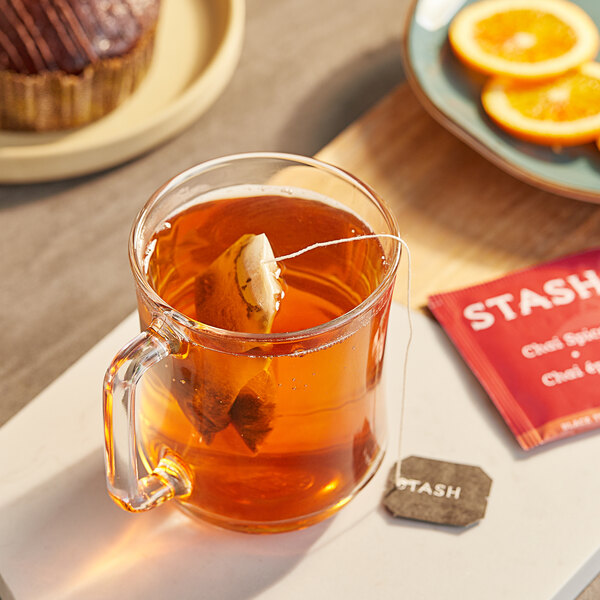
<point x="66" y="63"/>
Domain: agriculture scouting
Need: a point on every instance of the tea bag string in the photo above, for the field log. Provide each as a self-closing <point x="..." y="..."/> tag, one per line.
<point x="409" y="318"/>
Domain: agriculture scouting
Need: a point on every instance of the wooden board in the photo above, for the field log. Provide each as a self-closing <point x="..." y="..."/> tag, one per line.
<point x="465" y="220"/>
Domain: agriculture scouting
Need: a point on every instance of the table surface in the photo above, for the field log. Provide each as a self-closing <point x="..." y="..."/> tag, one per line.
<point x="308" y="69"/>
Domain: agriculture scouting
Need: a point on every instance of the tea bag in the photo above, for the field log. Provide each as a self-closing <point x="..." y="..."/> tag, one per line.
<point x="240" y="291"/>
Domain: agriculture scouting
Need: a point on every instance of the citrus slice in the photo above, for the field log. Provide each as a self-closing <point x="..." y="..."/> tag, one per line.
<point x="561" y="112"/>
<point x="524" y="39"/>
<point x="240" y="290"/>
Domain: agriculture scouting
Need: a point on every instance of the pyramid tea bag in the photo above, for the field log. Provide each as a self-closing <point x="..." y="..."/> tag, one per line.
<point x="240" y="291"/>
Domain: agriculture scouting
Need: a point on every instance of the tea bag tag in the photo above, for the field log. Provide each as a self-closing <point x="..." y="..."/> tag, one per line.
<point x="432" y="490"/>
<point x="437" y="492"/>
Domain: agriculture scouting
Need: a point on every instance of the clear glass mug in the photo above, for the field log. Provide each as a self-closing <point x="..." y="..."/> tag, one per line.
<point x="300" y="415"/>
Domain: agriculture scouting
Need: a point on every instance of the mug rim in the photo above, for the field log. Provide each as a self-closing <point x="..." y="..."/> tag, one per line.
<point x="218" y="333"/>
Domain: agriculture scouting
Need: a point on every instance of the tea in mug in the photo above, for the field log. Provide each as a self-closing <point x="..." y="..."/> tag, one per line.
<point x="277" y="433"/>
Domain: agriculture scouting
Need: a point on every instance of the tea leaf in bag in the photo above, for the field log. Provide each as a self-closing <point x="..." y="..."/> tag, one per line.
<point x="252" y="411"/>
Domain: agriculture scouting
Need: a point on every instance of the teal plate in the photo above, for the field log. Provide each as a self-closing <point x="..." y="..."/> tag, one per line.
<point x="451" y="94"/>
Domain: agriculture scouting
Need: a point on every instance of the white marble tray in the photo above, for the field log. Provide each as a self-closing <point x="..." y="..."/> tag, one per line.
<point x="62" y="537"/>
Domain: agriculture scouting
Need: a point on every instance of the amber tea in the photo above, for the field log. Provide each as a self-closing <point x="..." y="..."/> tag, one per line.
<point x="314" y="431"/>
<point x="253" y="396"/>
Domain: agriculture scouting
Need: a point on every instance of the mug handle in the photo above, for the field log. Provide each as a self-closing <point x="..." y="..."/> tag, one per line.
<point x="170" y="478"/>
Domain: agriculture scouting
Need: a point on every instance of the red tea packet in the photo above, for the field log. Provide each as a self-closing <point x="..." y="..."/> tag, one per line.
<point x="532" y="338"/>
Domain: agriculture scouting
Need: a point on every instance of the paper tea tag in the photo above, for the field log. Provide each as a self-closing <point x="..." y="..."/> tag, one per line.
<point x="532" y="338"/>
<point x="437" y="492"/>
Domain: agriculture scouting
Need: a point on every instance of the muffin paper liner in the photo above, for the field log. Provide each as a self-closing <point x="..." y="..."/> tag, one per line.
<point x="55" y="100"/>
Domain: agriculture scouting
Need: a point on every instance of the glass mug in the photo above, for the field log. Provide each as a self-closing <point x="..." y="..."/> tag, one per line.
<point x="262" y="432"/>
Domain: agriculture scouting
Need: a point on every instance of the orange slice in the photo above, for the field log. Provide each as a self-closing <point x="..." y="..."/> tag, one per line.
<point x="524" y="39"/>
<point x="561" y="112"/>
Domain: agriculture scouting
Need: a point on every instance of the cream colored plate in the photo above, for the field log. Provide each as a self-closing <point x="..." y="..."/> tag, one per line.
<point x="197" y="48"/>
